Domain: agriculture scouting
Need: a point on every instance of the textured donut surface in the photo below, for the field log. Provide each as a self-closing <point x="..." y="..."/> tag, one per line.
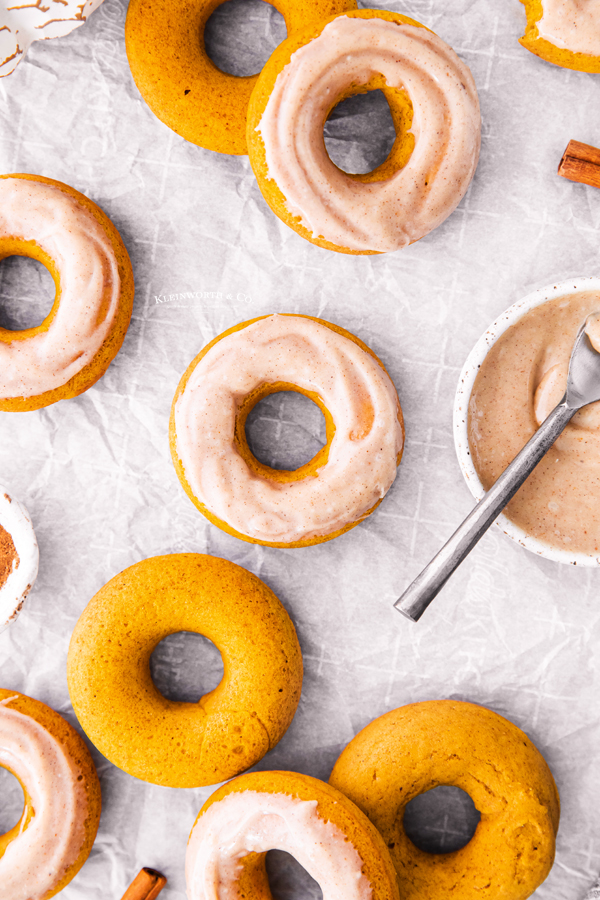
<point x="564" y="32"/>
<point x="429" y="90"/>
<point x="54" y="836"/>
<point x="19" y="557"/>
<point x="444" y="742"/>
<point x="74" y="345"/>
<point x="319" y="826"/>
<point x="341" y="485"/>
<point x="168" y="742"/>
<point x="181" y="84"/>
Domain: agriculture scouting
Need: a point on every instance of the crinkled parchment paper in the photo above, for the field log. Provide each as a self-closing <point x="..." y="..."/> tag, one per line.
<point x="511" y="631"/>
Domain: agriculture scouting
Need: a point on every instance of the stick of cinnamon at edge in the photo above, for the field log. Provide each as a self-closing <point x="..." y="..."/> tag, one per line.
<point x="581" y="162"/>
<point x="146" y="885"/>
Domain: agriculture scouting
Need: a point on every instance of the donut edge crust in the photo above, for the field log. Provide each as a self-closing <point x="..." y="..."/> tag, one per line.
<point x="76" y="748"/>
<point x="95" y="369"/>
<point x="332" y="806"/>
<point x="395" y="757"/>
<point x="317" y="460"/>
<point x="143" y="604"/>
<point x="170" y="82"/>
<point x="260" y="97"/>
<point x="566" y="59"/>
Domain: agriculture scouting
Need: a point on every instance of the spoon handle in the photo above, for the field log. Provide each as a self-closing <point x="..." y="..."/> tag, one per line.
<point x="417" y="597"/>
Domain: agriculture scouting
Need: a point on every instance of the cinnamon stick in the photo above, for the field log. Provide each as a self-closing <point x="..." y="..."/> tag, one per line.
<point x="581" y="162"/>
<point x="146" y="885"/>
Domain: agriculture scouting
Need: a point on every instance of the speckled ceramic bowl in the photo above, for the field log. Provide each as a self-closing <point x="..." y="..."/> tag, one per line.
<point x="461" y="405"/>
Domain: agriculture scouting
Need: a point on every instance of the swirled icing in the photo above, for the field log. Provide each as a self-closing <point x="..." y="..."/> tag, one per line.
<point x="381" y="215"/>
<point x="572" y="25"/>
<point x="354" y="388"/>
<point x="246" y="822"/>
<point x="89" y="285"/>
<point x="36" y="860"/>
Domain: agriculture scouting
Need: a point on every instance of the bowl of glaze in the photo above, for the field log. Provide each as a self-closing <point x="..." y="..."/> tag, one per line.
<point x="461" y="410"/>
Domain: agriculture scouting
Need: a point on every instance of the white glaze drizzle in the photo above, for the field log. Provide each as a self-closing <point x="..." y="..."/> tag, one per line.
<point x="572" y="25"/>
<point x="354" y="388"/>
<point x="90" y="286"/>
<point x="253" y="822"/>
<point x="37" y="859"/>
<point x="383" y="215"/>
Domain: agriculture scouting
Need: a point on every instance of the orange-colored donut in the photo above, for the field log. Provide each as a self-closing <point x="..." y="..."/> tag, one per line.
<point x="181" y="84"/>
<point x="53" y="223"/>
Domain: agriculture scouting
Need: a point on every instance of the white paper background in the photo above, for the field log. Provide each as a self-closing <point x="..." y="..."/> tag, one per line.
<point x="511" y="631"/>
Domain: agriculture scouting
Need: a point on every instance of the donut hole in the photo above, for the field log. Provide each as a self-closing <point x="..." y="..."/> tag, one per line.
<point x="27" y="293"/>
<point x="12" y="800"/>
<point x="441" y="820"/>
<point x="285" y="430"/>
<point x="360" y="132"/>
<point x="289" y="880"/>
<point x="185" y="666"/>
<point x="241" y="35"/>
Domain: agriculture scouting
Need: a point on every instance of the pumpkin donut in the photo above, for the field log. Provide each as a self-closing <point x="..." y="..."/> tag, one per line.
<point x="230" y="728"/>
<point x="444" y="742"/>
<point x="429" y="90"/>
<point x="181" y="84"/>
<point x="19" y="557"/>
<point x="333" y="492"/>
<point x="318" y="825"/>
<point x="54" y="836"/>
<point x="72" y="348"/>
<point x="564" y="32"/>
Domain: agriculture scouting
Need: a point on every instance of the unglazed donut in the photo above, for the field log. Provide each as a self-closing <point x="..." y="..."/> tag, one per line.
<point x="341" y="485"/>
<point x="429" y="90"/>
<point x="318" y="825"/>
<point x="72" y="348"/>
<point x="54" y="836"/>
<point x="181" y="84"/>
<point x="184" y="744"/>
<point x="19" y="557"/>
<point x="444" y="742"/>
<point x="564" y="32"/>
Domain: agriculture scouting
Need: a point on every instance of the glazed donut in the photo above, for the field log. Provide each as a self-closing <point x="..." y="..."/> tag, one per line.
<point x="444" y="742"/>
<point x="184" y="744"/>
<point x="424" y="178"/>
<point x="181" y="84"/>
<point x="54" y="836"/>
<point x="321" y="828"/>
<point x="19" y="557"/>
<point x="341" y="485"/>
<point x="72" y="348"/>
<point x="564" y="32"/>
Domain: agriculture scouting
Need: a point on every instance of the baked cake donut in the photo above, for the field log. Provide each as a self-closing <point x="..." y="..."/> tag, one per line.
<point x="54" y="836"/>
<point x="19" y="557"/>
<point x="429" y="90"/>
<point x="72" y="348"/>
<point x="182" y="85"/>
<point x="341" y="485"/>
<point x="309" y="819"/>
<point x="164" y="741"/>
<point x="564" y="32"/>
<point x="445" y="742"/>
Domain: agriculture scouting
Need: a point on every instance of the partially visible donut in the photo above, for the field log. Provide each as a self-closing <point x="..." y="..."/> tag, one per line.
<point x="181" y="84"/>
<point x="19" y="557"/>
<point x="164" y="741"/>
<point x="72" y="348"/>
<point x="333" y="492"/>
<point x="430" y="91"/>
<point x="444" y="742"/>
<point x="54" y="836"/>
<point x="564" y="32"/>
<point x="316" y="824"/>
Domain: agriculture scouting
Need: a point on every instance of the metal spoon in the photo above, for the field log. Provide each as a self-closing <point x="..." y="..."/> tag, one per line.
<point x="583" y="387"/>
